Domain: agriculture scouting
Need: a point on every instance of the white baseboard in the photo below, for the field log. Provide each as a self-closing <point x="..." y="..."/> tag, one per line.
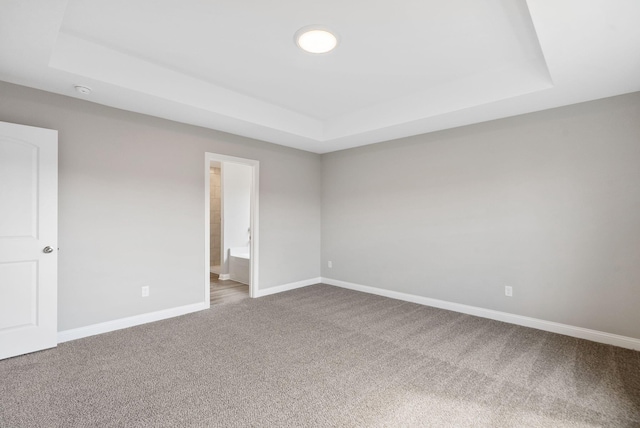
<point x="105" y="327"/>
<point x="224" y="276"/>
<point x="554" y="327"/>
<point x="287" y="287"/>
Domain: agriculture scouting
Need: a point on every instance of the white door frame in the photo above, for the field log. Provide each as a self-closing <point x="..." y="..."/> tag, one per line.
<point x="254" y="247"/>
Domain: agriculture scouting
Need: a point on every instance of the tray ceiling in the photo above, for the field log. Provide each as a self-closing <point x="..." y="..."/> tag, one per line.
<point x="401" y="68"/>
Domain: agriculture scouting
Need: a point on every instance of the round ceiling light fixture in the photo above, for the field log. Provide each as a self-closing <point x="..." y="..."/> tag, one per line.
<point x="316" y="39"/>
<point x="84" y="90"/>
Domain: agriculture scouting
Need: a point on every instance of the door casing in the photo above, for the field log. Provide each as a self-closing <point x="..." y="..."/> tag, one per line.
<point x="254" y="216"/>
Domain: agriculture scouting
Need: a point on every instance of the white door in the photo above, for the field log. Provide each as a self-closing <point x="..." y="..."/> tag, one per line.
<point x="28" y="239"/>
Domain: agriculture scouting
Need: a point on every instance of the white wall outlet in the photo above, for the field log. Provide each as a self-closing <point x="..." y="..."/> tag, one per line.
<point x="145" y="291"/>
<point x="330" y="264"/>
<point x="508" y="291"/>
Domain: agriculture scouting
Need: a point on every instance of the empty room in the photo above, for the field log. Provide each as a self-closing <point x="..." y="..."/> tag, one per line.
<point x="319" y="214"/>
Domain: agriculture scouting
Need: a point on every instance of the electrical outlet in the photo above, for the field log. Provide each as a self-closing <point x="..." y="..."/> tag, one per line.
<point x="330" y="264"/>
<point x="145" y="291"/>
<point x="508" y="291"/>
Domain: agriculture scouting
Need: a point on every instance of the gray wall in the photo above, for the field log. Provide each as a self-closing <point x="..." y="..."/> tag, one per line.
<point x="548" y="203"/>
<point x="131" y="205"/>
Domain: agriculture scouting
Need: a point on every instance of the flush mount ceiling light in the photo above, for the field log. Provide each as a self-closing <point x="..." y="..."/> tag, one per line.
<point x="84" y="90"/>
<point x="315" y="39"/>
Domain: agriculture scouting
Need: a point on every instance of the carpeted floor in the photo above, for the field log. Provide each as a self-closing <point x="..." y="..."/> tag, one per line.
<point x="323" y="356"/>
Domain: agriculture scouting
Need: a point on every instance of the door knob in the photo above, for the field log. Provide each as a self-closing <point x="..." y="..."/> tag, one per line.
<point x="47" y="250"/>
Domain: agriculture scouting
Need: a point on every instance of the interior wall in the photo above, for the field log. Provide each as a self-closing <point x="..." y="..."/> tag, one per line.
<point x="215" y="217"/>
<point x="131" y="206"/>
<point x="548" y="203"/>
<point x="236" y="184"/>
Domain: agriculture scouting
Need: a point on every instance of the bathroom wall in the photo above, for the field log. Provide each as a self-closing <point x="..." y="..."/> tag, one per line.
<point x="215" y="217"/>
<point x="236" y="184"/>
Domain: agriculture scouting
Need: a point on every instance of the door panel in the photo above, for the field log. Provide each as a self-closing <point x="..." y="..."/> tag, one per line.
<point x="18" y="287"/>
<point x="19" y="178"/>
<point x="28" y="224"/>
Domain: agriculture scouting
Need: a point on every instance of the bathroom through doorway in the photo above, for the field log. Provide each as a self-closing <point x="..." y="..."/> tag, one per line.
<point x="231" y="213"/>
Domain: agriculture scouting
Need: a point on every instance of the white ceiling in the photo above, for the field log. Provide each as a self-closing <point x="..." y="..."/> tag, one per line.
<point x="401" y="68"/>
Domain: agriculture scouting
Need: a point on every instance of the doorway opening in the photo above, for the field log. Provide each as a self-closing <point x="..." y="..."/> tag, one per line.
<point x="231" y="228"/>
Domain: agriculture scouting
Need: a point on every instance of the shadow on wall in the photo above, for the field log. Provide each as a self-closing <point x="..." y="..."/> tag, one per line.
<point x="215" y="217"/>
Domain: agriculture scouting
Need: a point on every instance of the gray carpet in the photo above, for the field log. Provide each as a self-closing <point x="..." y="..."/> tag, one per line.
<point x="323" y="356"/>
